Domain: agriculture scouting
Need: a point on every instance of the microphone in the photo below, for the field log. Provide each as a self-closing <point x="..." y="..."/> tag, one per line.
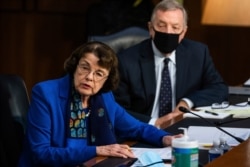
<point x="185" y="110"/>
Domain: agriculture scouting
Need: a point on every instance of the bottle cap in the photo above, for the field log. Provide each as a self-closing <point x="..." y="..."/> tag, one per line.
<point x="184" y="141"/>
<point x="223" y="139"/>
<point x="216" y="142"/>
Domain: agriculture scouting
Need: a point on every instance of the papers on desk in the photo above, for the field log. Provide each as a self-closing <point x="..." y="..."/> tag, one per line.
<point x="239" y="113"/>
<point x="236" y="110"/>
<point x="203" y="114"/>
<point x="206" y="135"/>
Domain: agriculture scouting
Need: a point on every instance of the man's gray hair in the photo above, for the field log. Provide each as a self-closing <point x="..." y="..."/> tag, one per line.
<point x="166" y="5"/>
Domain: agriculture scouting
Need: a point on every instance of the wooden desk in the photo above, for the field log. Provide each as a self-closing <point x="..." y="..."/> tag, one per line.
<point x="238" y="156"/>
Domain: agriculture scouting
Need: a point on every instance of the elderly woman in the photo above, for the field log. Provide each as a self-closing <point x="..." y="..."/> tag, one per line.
<point x="75" y="118"/>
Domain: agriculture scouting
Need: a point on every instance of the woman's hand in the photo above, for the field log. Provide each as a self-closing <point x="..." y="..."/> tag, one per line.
<point x="115" y="150"/>
<point x="167" y="140"/>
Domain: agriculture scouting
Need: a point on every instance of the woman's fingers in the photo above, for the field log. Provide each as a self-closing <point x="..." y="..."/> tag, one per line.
<point x="115" y="150"/>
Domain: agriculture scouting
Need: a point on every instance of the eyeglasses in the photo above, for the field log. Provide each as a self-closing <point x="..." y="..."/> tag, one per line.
<point x="85" y="69"/>
<point x="224" y="104"/>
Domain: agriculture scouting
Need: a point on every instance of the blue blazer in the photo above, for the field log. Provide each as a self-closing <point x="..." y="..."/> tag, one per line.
<point x="196" y="77"/>
<point x="46" y="141"/>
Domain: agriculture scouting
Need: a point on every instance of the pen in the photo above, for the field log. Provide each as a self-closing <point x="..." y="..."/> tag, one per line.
<point x="209" y="112"/>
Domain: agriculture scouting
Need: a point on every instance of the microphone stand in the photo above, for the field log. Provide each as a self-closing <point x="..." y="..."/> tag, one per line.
<point x="183" y="109"/>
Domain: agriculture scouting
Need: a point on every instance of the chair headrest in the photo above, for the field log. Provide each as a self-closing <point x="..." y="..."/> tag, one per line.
<point x="123" y="39"/>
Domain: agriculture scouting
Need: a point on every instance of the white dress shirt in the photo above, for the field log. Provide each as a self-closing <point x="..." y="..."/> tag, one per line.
<point x="159" y="65"/>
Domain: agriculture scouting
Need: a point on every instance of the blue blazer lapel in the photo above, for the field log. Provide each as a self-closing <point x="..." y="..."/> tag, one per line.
<point x="64" y="85"/>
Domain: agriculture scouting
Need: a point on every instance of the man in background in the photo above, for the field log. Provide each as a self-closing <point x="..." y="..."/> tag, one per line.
<point x="194" y="80"/>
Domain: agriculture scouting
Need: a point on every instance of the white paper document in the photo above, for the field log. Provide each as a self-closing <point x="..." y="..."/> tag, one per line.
<point x="203" y="114"/>
<point x="206" y="135"/>
<point x="240" y="110"/>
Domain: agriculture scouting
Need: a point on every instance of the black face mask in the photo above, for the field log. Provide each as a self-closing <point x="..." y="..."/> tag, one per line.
<point x="166" y="42"/>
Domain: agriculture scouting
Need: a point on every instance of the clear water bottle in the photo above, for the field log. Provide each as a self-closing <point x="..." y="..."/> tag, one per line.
<point x="215" y="151"/>
<point x="223" y="145"/>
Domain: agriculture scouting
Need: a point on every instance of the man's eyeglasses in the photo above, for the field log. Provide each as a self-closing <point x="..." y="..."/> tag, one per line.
<point x="226" y="104"/>
<point x="222" y="105"/>
<point x="85" y="69"/>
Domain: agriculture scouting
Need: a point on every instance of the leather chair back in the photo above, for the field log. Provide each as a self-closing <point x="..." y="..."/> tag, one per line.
<point x="14" y="103"/>
<point x="123" y="39"/>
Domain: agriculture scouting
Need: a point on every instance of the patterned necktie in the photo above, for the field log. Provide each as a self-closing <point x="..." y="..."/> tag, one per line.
<point x="165" y="91"/>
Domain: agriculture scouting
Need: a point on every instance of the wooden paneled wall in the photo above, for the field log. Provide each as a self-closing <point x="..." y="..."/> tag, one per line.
<point x="229" y="46"/>
<point x="36" y="36"/>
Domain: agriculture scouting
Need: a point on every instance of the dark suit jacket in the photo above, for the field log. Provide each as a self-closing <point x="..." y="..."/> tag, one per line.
<point x="196" y="77"/>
